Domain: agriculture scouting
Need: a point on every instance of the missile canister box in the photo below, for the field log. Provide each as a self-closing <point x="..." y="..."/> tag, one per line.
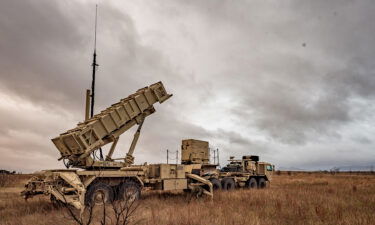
<point x="92" y="133"/>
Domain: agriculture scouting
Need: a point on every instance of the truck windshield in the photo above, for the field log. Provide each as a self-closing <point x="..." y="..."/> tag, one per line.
<point x="269" y="168"/>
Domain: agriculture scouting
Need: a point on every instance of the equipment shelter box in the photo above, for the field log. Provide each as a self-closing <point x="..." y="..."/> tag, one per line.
<point x="194" y="151"/>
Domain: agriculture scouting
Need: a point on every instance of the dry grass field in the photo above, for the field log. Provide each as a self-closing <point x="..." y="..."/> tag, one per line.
<point x="299" y="198"/>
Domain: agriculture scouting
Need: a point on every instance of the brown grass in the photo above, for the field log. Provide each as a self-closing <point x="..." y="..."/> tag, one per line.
<point x="9" y="180"/>
<point x="299" y="198"/>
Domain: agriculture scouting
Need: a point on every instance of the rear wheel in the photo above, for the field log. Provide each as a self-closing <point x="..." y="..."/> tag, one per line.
<point x="262" y="183"/>
<point x="99" y="194"/>
<point x="130" y="191"/>
<point x="228" y="184"/>
<point x="216" y="185"/>
<point x="252" y="183"/>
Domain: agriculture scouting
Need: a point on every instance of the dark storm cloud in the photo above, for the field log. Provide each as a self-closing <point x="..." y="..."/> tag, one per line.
<point x="35" y="45"/>
<point x="296" y="91"/>
<point x="48" y="48"/>
<point x="252" y="77"/>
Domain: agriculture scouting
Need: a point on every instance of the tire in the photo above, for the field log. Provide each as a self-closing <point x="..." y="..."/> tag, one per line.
<point x="228" y="184"/>
<point x="216" y="184"/>
<point x="252" y="183"/>
<point x="130" y="191"/>
<point x="262" y="183"/>
<point x="99" y="193"/>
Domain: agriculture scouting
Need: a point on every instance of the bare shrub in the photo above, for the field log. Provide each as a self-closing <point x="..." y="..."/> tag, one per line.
<point x="124" y="210"/>
<point x="119" y="212"/>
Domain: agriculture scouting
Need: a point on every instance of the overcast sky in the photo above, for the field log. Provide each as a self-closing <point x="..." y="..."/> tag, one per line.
<point x="291" y="81"/>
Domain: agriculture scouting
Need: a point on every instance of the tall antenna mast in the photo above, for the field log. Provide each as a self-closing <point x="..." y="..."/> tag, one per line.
<point x="94" y="66"/>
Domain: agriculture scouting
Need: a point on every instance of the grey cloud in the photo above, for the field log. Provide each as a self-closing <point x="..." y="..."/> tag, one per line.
<point x="293" y="112"/>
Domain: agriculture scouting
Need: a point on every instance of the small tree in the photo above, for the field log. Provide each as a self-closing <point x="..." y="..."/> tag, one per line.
<point x="124" y="209"/>
<point x="118" y="212"/>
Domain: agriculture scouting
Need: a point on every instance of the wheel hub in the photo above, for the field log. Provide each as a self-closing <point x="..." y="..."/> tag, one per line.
<point x="99" y="197"/>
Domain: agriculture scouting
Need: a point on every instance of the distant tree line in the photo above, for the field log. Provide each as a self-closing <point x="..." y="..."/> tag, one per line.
<point x="7" y="172"/>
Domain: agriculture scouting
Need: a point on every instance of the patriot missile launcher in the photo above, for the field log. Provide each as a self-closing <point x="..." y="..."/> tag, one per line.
<point x="105" y="180"/>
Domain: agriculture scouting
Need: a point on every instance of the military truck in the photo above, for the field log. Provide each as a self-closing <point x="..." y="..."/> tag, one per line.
<point x="99" y="180"/>
<point x="245" y="173"/>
